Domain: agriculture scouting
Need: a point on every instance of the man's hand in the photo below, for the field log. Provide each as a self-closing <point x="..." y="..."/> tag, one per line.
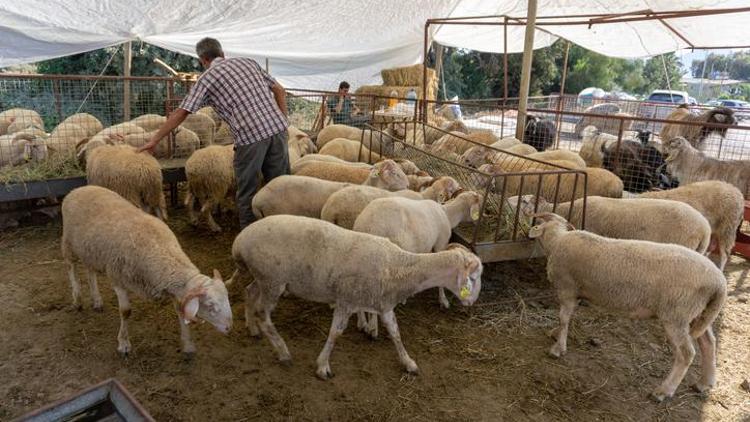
<point x="149" y="146"/>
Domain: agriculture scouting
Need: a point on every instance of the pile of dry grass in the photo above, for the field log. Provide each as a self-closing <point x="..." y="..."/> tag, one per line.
<point x="55" y="167"/>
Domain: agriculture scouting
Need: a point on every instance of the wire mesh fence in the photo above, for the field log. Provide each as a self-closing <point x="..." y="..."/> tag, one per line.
<point x="502" y="180"/>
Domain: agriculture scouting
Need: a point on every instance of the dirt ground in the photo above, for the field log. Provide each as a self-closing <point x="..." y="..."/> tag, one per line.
<point x="487" y="362"/>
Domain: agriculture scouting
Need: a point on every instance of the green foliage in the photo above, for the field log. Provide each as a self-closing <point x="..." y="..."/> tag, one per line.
<point x="472" y="74"/>
<point x="736" y="65"/>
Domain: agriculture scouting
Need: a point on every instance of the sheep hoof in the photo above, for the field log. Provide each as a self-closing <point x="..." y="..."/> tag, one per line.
<point x="658" y="396"/>
<point x="188" y="354"/>
<point x="555" y="352"/>
<point x="701" y="387"/>
<point x="124" y="352"/>
<point x="324" y="372"/>
<point x="412" y="368"/>
<point x="215" y="229"/>
<point x="285" y="362"/>
<point x="78" y="307"/>
<point x="554" y="333"/>
<point x="98" y="307"/>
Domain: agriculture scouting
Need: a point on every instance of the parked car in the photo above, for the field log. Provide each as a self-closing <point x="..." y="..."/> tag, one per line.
<point x="741" y="108"/>
<point x="659" y="105"/>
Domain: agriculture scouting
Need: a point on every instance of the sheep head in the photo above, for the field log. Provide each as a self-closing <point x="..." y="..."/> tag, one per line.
<point x="207" y="299"/>
<point x="548" y="221"/>
<point x="719" y="115"/>
<point x="446" y="188"/>
<point x="468" y="276"/>
<point x="388" y="174"/>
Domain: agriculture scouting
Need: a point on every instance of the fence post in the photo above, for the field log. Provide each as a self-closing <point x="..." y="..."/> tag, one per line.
<point x="126" y="82"/>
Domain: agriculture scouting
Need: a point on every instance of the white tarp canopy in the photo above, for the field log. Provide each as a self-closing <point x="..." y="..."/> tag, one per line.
<point x="317" y="43"/>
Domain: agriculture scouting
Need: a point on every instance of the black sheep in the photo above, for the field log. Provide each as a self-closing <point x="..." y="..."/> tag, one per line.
<point x="539" y="133"/>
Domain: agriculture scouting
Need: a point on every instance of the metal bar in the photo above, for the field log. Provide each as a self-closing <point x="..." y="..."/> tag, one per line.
<point x="81" y="77"/>
<point x="682" y="37"/>
<point x="562" y="94"/>
<point x="126" y="83"/>
<point x="528" y="46"/>
<point x="58" y="99"/>
<point x="424" y="71"/>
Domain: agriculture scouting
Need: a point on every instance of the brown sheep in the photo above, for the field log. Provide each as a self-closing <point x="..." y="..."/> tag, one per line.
<point x="696" y="134"/>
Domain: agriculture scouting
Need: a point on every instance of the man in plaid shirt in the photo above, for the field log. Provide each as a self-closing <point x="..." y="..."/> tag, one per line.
<point x="253" y="104"/>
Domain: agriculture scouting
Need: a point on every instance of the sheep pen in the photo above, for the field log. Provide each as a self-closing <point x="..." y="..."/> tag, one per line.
<point x="465" y="356"/>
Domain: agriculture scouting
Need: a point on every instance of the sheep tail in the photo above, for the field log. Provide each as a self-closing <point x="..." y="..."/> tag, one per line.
<point x="704" y="244"/>
<point x="700" y="324"/>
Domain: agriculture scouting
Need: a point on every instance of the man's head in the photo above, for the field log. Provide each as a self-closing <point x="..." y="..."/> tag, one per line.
<point x="207" y="50"/>
<point x="344" y="87"/>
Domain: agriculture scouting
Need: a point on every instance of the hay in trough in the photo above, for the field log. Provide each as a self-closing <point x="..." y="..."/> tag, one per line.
<point x="55" y="167"/>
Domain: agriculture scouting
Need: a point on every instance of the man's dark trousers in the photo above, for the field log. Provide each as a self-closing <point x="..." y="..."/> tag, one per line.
<point x="269" y="157"/>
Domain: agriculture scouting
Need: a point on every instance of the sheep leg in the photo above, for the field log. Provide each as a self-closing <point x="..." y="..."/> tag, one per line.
<point x="188" y="347"/>
<point x="252" y="305"/>
<point x="190" y="205"/>
<point x="123" y="342"/>
<point x="96" y="297"/>
<point x="207" y="211"/>
<point x="707" y="345"/>
<point x="75" y="286"/>
<point x="263" y="314"/>
<point x="372" y="326"/>
<point x="443" y="299"/>
<point x="338" y="325"/>
<point x="682" y="348"/>
<point x="567" y="306"/>
<point x="389" y="319"/>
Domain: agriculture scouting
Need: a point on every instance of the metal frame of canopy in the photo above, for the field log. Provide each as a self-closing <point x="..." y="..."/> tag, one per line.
<point x="539" y="22"/>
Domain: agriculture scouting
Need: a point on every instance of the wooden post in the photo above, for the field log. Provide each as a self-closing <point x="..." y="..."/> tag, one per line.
<point x="560" y="104"/>
<point x="126" y="83"/>
<point x="438" y="67"/>
<point x="528" y="51"/>
<point x="268" y="68"/>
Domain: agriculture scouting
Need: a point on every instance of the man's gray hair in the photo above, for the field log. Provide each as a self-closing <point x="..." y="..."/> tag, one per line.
<point x="209" y="49"/>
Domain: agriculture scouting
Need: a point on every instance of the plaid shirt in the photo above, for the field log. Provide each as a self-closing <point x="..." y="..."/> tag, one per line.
<point x="240" y="92"/>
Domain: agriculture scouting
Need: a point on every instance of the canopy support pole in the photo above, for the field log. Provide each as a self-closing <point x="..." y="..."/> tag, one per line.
<point x="126" y="83"/>
<point x="528" y="51"/>
<point x="561" y="99"/>
<point x="439" y="64"/>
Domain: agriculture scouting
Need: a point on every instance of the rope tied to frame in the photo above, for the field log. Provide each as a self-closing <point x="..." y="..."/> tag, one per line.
<point x="88" y="94"/>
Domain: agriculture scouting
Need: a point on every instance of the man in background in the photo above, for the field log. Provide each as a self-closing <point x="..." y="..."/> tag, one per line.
<point x="343" y="111"/>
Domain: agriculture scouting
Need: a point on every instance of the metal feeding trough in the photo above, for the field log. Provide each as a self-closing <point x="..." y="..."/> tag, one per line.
<point x="108" y="401"/>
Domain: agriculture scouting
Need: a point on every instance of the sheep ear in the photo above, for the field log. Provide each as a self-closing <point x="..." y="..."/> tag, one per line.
<point x="190" y="310"/>
<point x="217" y="275"/>
<point x="720" y="117"/>
<point x="27" y="151"/>
<point x="571" y="227"/>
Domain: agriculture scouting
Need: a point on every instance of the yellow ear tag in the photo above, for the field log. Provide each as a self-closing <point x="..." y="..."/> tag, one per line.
<point x="475" y="215"/>
<point x="465" y="292"/>
<point x="376" y="173"/>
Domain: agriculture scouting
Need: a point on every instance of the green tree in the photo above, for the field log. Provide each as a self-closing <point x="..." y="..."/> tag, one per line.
<point x="656" y="78"/>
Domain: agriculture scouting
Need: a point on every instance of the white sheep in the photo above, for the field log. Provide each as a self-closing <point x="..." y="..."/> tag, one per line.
<point x="351" y="271"/>
<point x="457" y="142"/>
<point x="344" y="173"/>
<point x="185" y="142"/>
<point x="305" y="160"/>
<point x="690" y="165"/>
<point x="560" y="155"/>
<point x="21" y="147"/>
<point x="418" y="226"/>
<point x="88" y="122"/>
<point x="348" y="150"/>
<point x="9" y="116"/>
<point x="306" y="196"/>
<point x="343" y="207"/>
<point x="211" y="180"/>
<point x="555" y="187"/>
<point x="65" y="137"/>
<point x="374" y="140"/>
<point x="676" y="285"/>
<point x="149" y="122"/>
<point x="593" y="145"/>
<point x="720" y="203"/>
<point x="139" y="254"/>
<point x="203" y="126"/>
<point x="657" y="220"/>
<point x="299" y="144"/>
<point x="135" y="176"/>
